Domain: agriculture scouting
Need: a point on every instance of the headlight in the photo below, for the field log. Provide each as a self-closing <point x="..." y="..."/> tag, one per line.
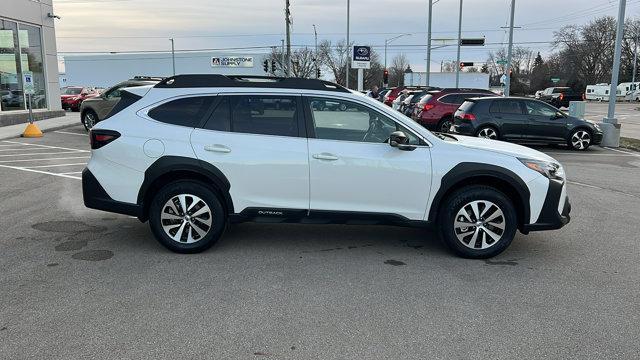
<point x="597" y="127"/>
<point x="549" y="169"/>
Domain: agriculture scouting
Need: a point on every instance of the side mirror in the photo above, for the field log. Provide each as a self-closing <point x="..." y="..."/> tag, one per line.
<point x="557" y="115"/>
<point x="400" y="140"/>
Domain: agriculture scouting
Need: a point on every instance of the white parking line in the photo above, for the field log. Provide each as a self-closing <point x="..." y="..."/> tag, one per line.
<point x="55" y="153"/>
<point x="41" y="172"/>
<point x="70" y="133"/>
<point x="62" y="158"/>
<point x="23" y="148"/>
<point x="621" y="151"/>
<point x="70" y="173"/>
<point x="56" y="165"/>
<point x="45" y="146"/>
<point x="585" y="185"/>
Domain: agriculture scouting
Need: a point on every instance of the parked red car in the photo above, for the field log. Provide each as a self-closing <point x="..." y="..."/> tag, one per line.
<point x="72" y="96"/>
<point x="394" y="92"/>
<point x="435" y="110"/>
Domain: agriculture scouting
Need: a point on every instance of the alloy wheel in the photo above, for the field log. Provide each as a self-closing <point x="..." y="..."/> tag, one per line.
<point x="446" y="126"/>
<point x="488" y="133"/>
<point x="89" y="120"/>
<point x="186" y="218"/>
<point x="581" y="140"/>
<point x="479" y="224"/>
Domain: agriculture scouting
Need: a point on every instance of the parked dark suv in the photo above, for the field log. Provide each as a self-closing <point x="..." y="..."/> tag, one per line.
<point x="524" y="120"/>
<point x="97" y="108"/>
<point x="435" y="110"/>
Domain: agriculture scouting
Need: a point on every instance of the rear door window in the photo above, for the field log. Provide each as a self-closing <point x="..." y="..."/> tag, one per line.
<point x="187" y="111"/>
<point x="506" y="107"/>
<point x="265" y="115"/>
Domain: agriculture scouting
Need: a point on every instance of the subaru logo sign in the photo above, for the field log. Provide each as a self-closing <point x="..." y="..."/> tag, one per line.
<point x="361" y="53"/>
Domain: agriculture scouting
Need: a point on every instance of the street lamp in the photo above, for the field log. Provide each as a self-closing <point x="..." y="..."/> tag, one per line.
<point x="386" y="42"/>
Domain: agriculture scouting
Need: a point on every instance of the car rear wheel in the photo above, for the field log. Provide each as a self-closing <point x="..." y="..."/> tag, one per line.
<point x="89" y="119"/>
<point x="579" y="139"/>
<point x="488" y="132"/>
<point x="187" y="217"/>
<point x="478" y="222"/>
<point x="445" y="125"/>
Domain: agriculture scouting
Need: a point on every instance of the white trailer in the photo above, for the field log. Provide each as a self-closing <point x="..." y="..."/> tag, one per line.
<point x="600" y="92"/>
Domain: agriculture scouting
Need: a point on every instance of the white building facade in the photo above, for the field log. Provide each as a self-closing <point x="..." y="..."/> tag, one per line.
<point x="28" y="44"/>
<point x="105" y="70"/>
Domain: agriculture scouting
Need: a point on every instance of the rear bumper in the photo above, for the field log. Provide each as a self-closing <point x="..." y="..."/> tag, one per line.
<point x="95" y="197"/>
<point x="555" y="211"/>
<point x="463" y="128"/>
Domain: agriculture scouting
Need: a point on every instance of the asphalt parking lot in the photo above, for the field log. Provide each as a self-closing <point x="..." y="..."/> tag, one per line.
<point x="78" y="283"/>
<point x="627" y="113"/>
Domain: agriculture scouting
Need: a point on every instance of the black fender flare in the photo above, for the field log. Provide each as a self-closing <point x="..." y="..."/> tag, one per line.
<point x="173" y="164"/>
<point x="464" y="174"/>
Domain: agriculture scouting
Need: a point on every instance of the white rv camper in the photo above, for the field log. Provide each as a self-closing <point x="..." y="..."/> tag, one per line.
<point x="597" y="92"/>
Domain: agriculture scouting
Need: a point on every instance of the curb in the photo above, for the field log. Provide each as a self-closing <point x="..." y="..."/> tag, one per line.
<point x="49" y="129"/>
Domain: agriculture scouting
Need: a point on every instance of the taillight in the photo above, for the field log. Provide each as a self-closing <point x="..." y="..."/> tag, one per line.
<point x="561" y="96"/>
<point x="99" y="138"/>
<point x="584" y="97"/>
<point x="469" y="117"/>
<point x="428" y="107"/>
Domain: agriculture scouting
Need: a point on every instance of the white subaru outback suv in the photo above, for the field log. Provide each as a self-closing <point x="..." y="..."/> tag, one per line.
<point x="196" y="152"/>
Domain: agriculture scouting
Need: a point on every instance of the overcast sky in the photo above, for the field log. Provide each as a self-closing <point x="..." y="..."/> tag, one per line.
<point x="136" y="25"/>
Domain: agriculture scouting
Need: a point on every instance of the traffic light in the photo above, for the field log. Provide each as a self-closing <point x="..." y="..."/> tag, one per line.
<point x="385" y="76"/>
<point x="318" y="74"/>
<point x="265" y="65"/>
<point x="465" y="63"/>
<point x="273" y="66"/>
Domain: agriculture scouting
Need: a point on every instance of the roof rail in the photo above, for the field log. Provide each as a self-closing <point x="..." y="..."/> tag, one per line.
<point x="143" y="77"/>
<point x="217" y="80"/>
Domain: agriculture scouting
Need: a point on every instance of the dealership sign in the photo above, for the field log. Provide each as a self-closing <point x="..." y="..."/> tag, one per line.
<point x="232" y="61"/>
<point x="361" y="57"/>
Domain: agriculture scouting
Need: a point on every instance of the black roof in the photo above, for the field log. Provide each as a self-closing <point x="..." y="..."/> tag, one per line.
<point x="216" y="80"/>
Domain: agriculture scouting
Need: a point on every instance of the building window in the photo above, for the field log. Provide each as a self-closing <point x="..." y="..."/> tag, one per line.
<point x="20" y="50"/>
<point x="10" y="74"/>
<point x="31" y="56"/>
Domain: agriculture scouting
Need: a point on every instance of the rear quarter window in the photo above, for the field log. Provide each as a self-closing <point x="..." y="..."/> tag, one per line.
<point x="466" y="106"/>
<point x="183" y="112"/>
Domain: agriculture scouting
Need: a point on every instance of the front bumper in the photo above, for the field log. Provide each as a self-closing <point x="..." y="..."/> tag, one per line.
<point x="555" y="210"/>
<point x="95" y="197"/>
<point x="597" y="138"/>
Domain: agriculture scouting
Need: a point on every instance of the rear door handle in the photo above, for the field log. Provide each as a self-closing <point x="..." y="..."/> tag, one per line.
<point x="325" y="156"/>
<point x="217" y="148"/>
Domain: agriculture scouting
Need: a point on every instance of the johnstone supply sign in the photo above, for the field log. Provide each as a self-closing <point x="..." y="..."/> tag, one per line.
<point x="361" y="57"/>
<point x="232" y="61"/>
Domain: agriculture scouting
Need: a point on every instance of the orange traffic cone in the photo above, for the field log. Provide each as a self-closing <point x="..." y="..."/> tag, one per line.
<point x="32" y="131"/>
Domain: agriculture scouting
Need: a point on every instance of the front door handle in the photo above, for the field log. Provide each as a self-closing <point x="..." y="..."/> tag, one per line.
<point x="217" y="148"/>
<point x="325" y="156"/>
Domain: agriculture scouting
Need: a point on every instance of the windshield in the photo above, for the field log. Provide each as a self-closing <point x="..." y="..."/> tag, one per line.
<point x="72" y="91"/>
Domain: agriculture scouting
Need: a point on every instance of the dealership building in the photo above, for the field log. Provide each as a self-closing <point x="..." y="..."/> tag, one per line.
<point x="28" y="45"/>
<point x="104" y="70"/>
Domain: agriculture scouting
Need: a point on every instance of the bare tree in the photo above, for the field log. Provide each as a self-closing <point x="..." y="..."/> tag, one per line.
<point x="302" y="64"/>
<point x="399" y="64"/>
<point x="336" y="57"/>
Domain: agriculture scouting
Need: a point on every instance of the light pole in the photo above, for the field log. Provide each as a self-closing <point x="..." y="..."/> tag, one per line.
<point x="507" y="83"/>
<point x="609" y="125"/>
<point x="315" y="60"/>
<point x="386" y="42"/>
<point x="348" y="45"/>
<point x="173" y="57"/>
<point x="459" y="38"/>
<point x="635" y="61"/>
<point x="428" y="69"/>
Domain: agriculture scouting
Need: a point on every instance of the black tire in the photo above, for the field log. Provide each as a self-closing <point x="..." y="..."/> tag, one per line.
<point x="445" y="124"/>
<point x="194" y="189"/>
<point x="87" y="121"/>
<point x="461" y="199"/>
<point x="580" y="139"/>
<point x="487" y="130"/>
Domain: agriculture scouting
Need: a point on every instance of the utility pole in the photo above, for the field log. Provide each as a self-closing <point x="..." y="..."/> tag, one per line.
<point x="173" y="56"/>
<point x="609" y="125"/>
<point x="284" y="71"/>
<point x="428" y="70"/>
<point x="349" y="49"/>
<point x="315" y="60"/>
<point x="635" y="61"/>
<point x="507" y="83"/>
<point x="287" y="16"/>
<point x="459" y="38"/>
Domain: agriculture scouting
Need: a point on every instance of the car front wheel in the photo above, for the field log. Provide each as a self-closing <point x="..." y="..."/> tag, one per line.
<point x="478" y="222"/>
<point x="579" y="139"/>
<point x="187" y="217"/>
